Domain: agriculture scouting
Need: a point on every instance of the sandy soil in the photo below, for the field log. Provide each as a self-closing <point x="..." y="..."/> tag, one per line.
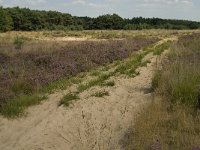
<point x="64" y="39"/>
<point x="92" y="123"/>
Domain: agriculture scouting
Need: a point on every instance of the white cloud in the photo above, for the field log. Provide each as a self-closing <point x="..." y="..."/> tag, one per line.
<point x="79" y="2"/>
<point x="34" y="2"/>
<point x="169" y="1"/>
<point x="89" y="3"/>
<point x="27" y="2"/>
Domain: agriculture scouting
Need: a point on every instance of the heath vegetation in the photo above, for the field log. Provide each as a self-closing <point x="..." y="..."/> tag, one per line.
<point x="30" y="67"/>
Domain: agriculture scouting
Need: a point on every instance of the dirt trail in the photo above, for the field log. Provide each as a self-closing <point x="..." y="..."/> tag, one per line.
<point x="92" y="123"/>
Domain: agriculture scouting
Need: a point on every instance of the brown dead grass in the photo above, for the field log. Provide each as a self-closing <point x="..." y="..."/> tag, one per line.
<point x="164" y="126"/>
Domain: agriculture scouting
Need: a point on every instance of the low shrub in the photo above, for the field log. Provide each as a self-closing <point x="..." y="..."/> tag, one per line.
<point x="67" y="99"/>
<point x="18" y="42"/>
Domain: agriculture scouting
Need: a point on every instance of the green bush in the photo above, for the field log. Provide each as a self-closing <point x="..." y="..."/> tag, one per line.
<point x="67" y="99"/>
<point x="18" y="42"/>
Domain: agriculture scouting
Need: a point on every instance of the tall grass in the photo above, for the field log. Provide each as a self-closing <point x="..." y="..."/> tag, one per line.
<point x="166" y="127"/>
<point x="172" y="121"/>
<point x="180" y="79"/>
<point x="156" y="79"/>
<point x="183" y="81"/>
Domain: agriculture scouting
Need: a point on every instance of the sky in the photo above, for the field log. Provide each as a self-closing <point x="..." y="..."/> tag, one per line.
<point x="169" y="9"/>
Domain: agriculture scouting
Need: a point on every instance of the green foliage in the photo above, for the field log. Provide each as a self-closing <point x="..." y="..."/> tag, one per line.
<point x="60" y="84"/>
<point x="109" y="22"/>
<point x="6" y="23"/>
<point x="129" y="67"/>
<point x="27" y="20"/>
<point x="137" y="26"/>
<point x="101" y="94"/>
<point x="67" y="99"/>
<point x="108" y="83"/>
<point x="18" y="41"/>
<point x="100" y="79"/>
<point x="16" y="107"/>
<point x="160" y="48"/>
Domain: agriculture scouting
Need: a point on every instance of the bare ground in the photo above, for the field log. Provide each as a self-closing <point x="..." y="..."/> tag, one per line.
<point x="91" y="123"/>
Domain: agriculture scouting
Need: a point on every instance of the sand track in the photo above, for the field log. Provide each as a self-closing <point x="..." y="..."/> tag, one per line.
<point x="92" y="123"/>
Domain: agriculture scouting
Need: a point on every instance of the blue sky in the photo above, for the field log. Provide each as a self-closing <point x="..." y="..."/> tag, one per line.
<point x="172" y="9"/>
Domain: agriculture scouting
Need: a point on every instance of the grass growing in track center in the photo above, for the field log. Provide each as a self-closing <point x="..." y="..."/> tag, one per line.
<point x="101" y="93"/>
<point x="95" y="82"/>
<point x="108" y="83"/>
<point x="160" y="48"/>
<point x="126" y="67"/>
<point x="67" y="99"/>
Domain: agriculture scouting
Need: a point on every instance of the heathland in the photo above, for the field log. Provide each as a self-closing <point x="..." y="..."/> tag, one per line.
<point x="100" y="89"/>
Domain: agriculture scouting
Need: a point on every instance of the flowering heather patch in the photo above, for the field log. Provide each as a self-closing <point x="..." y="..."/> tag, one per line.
<point x="186" y="38"/>
<point x="26" y="70"/>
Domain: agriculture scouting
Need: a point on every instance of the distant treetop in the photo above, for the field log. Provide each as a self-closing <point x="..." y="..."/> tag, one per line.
<point x="24" y="19"/>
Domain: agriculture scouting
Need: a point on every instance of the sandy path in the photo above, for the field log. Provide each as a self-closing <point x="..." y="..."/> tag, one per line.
<point x="92" y="123"/>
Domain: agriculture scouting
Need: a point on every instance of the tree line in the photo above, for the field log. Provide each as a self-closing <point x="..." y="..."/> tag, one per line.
<point x="24" y="19"/>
